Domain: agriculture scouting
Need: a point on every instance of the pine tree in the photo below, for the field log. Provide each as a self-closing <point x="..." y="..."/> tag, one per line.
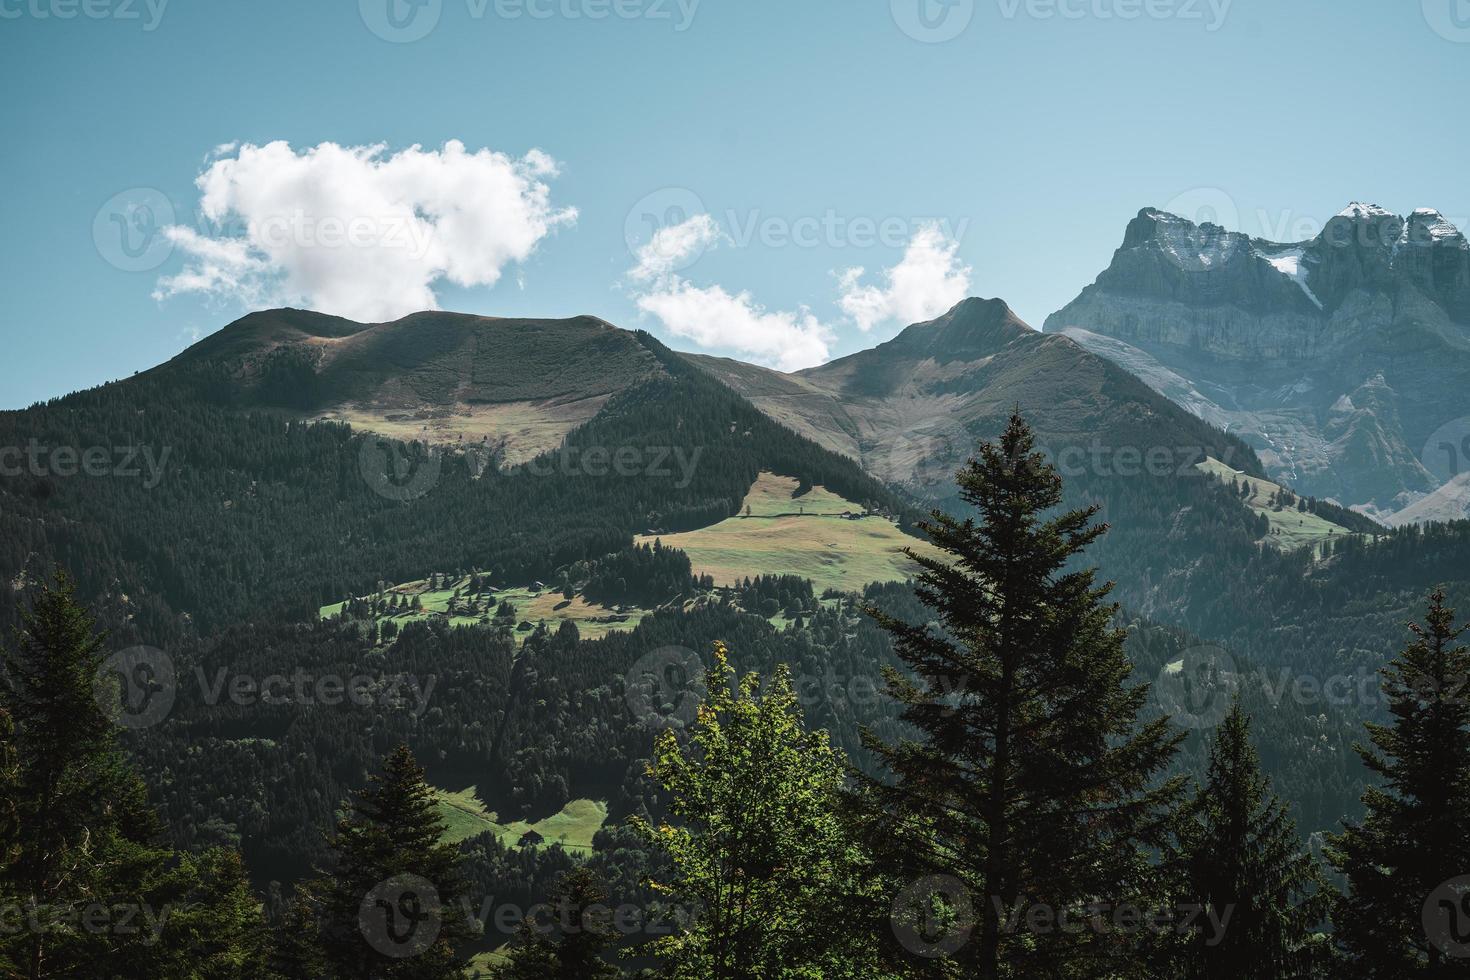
<point x="9" y="827"/>
<point x="297" y="953"/>
<point x="1257" y="899"/>
<point x="388" y="906"/>
<point x="216" y="925"/>
<point x="759" y="850"/>
<point x="83" y="837"/>
<point x="61" y="731"/>
<point x="1415" y="834"/>
<point x="571" y="945"/>
<point x="1032" y="784"/>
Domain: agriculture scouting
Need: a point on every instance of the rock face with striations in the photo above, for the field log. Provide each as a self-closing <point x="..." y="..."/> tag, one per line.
<point x="1343" y="360"/>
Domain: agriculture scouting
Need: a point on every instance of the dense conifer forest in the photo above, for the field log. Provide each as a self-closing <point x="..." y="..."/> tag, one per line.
<point x="1206" y="778"/>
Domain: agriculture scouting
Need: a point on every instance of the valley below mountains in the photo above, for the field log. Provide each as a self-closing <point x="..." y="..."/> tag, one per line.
<point x="527" y="511"/>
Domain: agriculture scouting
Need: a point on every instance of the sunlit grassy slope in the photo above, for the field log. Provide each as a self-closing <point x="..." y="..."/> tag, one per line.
<point x="806" y="536"/>
<point x="531" y="605"/>
<point x="1290" y="528"/>
<point x="573" y="827"/>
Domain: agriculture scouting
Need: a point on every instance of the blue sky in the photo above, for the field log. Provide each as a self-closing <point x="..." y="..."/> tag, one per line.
<point x="815" y="135"/>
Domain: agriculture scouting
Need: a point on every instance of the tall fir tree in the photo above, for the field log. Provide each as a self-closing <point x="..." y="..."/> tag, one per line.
<point x="760" y="855"/>
<point x="98" y="895"/>
<point x="1415" y="833"/>
<point x="388" y="907"/>
<point x="1258" y="900"/>
<point x="9" y="831"/>
<point x="297" y="952"/>
<point x="571" y="945"/>
<point x="1032" y="785"/>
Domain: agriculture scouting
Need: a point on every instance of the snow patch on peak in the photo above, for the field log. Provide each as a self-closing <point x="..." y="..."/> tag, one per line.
<point x="1197" y="247"/>
<point x="1170" y="218"/>
<point x="1289" y="263"/>
<point x="1430" y="227"/>
<point x="1358" y="209"/>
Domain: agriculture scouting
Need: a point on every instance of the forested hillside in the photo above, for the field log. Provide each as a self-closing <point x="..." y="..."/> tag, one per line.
<point x="225" y="522"/>
<point x="248" y="513"/>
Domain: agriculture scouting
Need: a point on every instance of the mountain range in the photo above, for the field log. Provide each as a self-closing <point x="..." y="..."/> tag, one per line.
<point x="906" y="410"/>
<point x="1340" y="360"/>
<point x="1343" y="360"/>
<point x="276" y="501"/>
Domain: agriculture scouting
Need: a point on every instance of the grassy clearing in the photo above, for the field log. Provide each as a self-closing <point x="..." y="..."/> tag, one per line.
<point x="806" y="536"/>
<point x="573" y="827"/>
<point x="520" y="429"/>
<point x="531" y="605"/>
<point x="484" y="964"/>
<point x="771" y="496"/>
<point x="781" y="620"/>
<point x="1290" y="528"/>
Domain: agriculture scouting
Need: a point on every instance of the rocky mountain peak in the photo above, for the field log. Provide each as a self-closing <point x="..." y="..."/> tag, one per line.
<point x="1426" y="226"/>
<point x="1195" y="246"/>
<point x="1335" y="357"/>
<point x="1359" y="211"/>
<point x="973" y="328"/>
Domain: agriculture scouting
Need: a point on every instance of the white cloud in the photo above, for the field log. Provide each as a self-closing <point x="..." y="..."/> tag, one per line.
<point x="928" y="280"/>
<point x="673" y="247"/>
<point x="712" y="317"/>
<point x="360" y="232"/>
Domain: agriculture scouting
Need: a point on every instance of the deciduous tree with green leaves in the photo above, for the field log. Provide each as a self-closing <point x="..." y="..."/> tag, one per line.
<point x="761" y="856"/>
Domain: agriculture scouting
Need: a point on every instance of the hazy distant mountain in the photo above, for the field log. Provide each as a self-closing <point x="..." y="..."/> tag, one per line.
<point x="1343" y="360"/>
<point x="908" y="409"/>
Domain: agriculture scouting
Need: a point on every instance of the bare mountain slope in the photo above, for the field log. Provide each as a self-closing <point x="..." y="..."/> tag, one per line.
<point x="520" y="385"/>
<point x="909" y="408"/>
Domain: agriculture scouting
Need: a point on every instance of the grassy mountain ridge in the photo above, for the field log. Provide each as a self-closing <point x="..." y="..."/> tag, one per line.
<point x="424" y="359"/>
<point x="257" y="510"/>
<point x="957" y="378"/>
